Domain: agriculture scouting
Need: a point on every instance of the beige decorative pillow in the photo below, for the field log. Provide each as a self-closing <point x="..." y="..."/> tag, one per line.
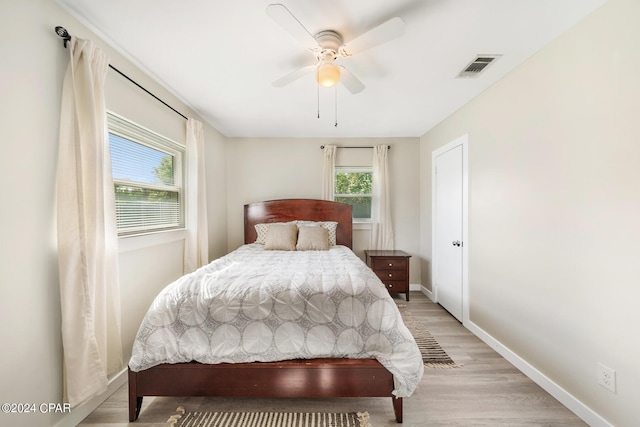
<point x="312" y="238"/>
<point x="281" y="237"/>
<point x="331" y="227"/>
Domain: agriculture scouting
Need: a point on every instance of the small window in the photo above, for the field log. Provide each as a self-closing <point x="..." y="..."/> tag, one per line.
<point x="147" y="174"/>
<point x="353" y="186"/>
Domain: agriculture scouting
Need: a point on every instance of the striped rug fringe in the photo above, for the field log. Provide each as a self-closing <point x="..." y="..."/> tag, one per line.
<point x="268" y="419"/>
<point x="433" y="356"/>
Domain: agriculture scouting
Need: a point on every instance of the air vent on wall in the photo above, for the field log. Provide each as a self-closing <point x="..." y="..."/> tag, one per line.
<point x="478" y="65"/>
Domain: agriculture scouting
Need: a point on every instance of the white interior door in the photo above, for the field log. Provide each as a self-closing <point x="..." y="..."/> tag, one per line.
<point x="448" y="241"/>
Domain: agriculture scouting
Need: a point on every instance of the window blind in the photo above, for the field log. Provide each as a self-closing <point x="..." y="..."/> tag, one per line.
<point x="147" y="175"/>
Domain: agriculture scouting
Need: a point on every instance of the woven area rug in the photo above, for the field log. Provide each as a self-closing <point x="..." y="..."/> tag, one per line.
<point x="433" y="355"/>
<point x="270" y="419"/>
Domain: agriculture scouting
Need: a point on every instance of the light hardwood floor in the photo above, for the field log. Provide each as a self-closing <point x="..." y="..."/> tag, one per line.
<point x="485" y="391"/>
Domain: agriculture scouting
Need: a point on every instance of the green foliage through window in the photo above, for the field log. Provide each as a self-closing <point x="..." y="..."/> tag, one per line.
<point x="353" y="186"/>
<point x="164" y="171"/>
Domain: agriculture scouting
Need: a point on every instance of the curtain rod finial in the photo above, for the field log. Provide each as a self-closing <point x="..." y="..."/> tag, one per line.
<point x="63" y="34"/>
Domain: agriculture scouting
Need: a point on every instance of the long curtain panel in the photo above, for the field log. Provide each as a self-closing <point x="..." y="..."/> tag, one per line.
<point x="86" y="227"/>
<point x="196" y="249"/>
<point x="381" y="226"/>
<point x="328" y="172"/>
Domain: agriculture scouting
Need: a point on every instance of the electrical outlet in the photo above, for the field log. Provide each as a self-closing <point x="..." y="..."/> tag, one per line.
<point x="607" y="378"/>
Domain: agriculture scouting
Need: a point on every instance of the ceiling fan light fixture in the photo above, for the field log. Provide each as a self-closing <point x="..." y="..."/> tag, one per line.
<point x="328" y="75"/>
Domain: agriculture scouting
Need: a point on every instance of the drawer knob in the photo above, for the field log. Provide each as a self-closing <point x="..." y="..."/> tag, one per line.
<point x="391" y="286"/>
<point x="390" y="275"/>
<point x="390" y="265"/>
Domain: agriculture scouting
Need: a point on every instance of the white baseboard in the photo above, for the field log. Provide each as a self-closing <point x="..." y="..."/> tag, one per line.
<point x="419" y="287"/>
<point x="81" y="412"/>
<point x="571" y="402"/>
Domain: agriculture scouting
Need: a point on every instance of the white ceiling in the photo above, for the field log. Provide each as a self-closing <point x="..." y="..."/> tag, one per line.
<point x="221" y="56"/>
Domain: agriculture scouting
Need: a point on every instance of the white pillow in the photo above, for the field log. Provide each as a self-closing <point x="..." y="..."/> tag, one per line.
<point x="312" y="238"/>
<point x="330" y="226"/>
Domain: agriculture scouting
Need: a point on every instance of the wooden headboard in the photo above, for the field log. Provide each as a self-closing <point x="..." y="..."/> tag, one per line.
<point x="285" y="210"/>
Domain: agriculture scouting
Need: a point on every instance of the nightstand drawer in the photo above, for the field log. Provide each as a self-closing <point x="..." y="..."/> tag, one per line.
<point x="396" y="286"/>
<point x="387" y="275"/>
<point x="379" y="263"/>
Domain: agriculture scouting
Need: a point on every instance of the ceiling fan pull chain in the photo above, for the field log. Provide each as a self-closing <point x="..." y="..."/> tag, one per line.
<point x="336" y="105"/>
<point x="318" y="93"/>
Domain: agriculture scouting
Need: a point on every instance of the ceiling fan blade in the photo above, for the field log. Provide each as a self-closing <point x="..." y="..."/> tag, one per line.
<point x="292" y="77"/>
<point x="283" y="17"/>
<point x="351" y="82"/>
<point x="388" y="30"/>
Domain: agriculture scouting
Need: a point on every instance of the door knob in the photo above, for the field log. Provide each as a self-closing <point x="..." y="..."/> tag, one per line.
<point x="456" y="243"/>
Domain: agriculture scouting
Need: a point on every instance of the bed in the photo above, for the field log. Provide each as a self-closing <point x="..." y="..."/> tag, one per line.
<point x="341" y="375"/>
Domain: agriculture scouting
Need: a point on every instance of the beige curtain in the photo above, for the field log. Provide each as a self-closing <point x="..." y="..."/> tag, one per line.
<point x="328" y="172"/>
<point x="87" y="237"/>
<point x="196" y="249"/>
<point x="381" y="228"/>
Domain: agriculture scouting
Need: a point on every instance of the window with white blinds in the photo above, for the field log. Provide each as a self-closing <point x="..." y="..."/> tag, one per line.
<point x="147" y="175"/>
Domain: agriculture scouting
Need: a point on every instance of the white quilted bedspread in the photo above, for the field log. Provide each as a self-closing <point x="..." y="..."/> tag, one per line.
<point x="260" y="305"/>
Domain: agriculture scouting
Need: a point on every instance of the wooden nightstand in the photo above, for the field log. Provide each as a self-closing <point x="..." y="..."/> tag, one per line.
<point x="392" y="267"/>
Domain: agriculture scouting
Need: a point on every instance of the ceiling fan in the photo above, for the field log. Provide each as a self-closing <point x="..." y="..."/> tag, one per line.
<point x="327" y="46"/>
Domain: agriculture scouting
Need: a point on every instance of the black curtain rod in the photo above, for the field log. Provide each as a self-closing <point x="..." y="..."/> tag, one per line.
<point x="337" y="146"/>
<point x="64" y="34"/>
<point x="144" y="89"/>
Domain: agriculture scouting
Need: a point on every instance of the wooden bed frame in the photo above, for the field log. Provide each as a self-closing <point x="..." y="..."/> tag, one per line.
<point x="291" y="378"/>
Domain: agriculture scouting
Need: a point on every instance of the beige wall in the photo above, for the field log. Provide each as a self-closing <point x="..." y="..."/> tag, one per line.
<point x="273" y="168"/>
<point x="554" y="208"/>
<point x="34" y="62"/>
